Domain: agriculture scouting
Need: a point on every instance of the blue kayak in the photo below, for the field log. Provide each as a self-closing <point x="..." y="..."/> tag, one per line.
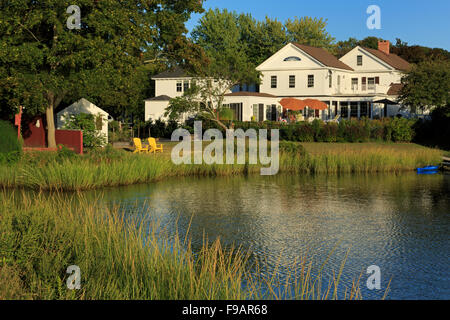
<point x="427" y="172"/>
<point x="428" y="169"/>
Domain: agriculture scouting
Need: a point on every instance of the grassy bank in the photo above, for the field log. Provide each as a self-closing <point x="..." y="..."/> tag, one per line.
<point x="40" y="237"/>
<point x="63" y="171"/>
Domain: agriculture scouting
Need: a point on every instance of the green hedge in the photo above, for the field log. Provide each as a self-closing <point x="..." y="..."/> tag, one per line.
<point x="364" y="130"/>
<point x="10" y="145"/>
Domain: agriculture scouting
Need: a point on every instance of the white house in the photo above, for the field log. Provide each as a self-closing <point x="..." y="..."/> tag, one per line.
<point x="350" y="86"/>
<point x="245" y="105"/>
<point x="83" y="106"/>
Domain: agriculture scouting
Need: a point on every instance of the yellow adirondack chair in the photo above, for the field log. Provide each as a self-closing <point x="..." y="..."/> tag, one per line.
<point x="153" y="146"/>
<point x="138" y="146"/>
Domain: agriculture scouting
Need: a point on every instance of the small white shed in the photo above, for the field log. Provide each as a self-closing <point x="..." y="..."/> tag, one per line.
<point x="83" y="106"/>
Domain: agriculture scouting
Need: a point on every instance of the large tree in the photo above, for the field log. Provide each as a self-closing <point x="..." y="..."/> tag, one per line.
<point x="417" y="54"/>
<point x="228" y="65"/>
<point x="309" y="31"/>
<point x="427" y="85"/>
<point x="259" y="39"/>
<point x="42" y="61"/>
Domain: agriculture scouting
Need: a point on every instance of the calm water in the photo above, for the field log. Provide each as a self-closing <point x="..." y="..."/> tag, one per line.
<point x="399" y="223"/>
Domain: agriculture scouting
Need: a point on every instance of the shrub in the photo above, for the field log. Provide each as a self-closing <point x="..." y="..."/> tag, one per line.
<point x="288" y="133"/>
<point x="316" y="128"/>
<point x="10" y="145"/>
<point x="92" y="137"/>
<point x="377" y="130"/>
<point x="170" y="128"/>
<point x="402" y="130"/>
<point x="354" y="131"/>
<point x="328" y="133"/>
<point x="305" y="132"/>
<point x="226" y="114"/>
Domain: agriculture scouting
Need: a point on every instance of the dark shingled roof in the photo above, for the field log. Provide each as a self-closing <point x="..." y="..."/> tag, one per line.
<point x="159" y="98"/>
<point x="176" y="72"/>
<point x="249" y="94"/>
<point x="391" y="59"/>
<point x="394" y="89"/>
<point x="323" y="56"/>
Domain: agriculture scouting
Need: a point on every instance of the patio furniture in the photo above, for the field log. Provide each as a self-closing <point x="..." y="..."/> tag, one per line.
<point x="153" y="146"/>
<point x="138" y="146"/>
<point x="336" y="119"/>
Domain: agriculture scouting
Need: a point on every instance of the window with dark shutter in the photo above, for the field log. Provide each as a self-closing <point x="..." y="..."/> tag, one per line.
<point x="377" y="80"/>
<point x="359" y="61"/>
<point x="273" y="82"/>
<point x="291" y="81"/>
<point x="311" y="81"/>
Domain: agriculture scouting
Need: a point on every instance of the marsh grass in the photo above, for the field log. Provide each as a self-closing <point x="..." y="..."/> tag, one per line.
<point x="119" y="258"/>
<point x="119" y="168"/>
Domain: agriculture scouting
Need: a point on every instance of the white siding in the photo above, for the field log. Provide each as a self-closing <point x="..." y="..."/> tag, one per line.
<point x="370" y="63"/>
<point x="155" y="110"/>
<point x="83" y="106"/>
<point x="168" y="87"/>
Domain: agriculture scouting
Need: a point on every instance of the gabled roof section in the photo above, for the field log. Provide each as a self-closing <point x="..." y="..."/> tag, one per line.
<point x="394" y="89"/>
<point x="176" y="72"/>
<point x="323" y="56"/>
<point x="83" y="106"/>
<point x="391" y="59"/>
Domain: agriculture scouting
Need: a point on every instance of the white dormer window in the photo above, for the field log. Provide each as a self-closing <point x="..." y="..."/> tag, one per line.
<point x="292" y="59"/>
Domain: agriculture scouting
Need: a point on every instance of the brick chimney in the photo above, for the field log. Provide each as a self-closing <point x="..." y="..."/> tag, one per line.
<point x="384" y="46"/>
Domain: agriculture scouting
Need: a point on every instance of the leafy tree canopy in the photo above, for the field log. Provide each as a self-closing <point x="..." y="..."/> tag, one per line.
<point x="42" y="62"/>
<point x="258" y="40"/>
<point x="412" y="54"/>
<point x="427" y="85"/>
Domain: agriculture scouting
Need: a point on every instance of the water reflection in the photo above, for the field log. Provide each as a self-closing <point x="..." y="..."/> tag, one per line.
<point x="399" y="223"/>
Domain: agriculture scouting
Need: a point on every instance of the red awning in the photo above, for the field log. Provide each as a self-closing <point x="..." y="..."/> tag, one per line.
<point x="296" y="104"/>
<point x="292" y="104"/>
<point x="315" y="104"/>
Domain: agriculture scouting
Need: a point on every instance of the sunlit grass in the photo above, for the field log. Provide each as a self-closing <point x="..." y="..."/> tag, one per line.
<point x="41" y="235"/>
<point x="51" y="172"/>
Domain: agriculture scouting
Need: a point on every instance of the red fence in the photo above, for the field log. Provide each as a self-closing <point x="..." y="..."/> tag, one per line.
<point x="71" y="139"/>
<point x="34" y="136"/>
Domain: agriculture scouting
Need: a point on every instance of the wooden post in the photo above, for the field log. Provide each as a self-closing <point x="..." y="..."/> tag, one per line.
<point x="18" y="121"/>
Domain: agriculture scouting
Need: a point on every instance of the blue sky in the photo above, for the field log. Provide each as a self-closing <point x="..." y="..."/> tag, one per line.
<point x="416" y="22"/>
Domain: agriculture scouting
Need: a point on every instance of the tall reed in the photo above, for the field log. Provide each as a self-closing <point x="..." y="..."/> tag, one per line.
<point x="120" y="258"/>
<point x="75" y="173"/>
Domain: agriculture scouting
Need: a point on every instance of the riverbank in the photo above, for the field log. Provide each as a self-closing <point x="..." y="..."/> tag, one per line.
<point x="118" y="258"/>
<point x="65" y="171"/>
